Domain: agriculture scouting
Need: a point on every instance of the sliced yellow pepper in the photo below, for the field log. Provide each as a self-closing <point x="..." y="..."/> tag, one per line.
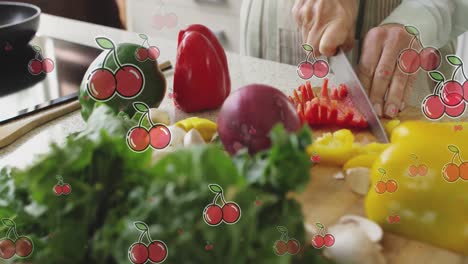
<point x="364" y="160"/>
<point x="207" y="128"/>
<point x="334" y="148"/>
<point x="430" y="193"/>
<point x="390" y="125"/>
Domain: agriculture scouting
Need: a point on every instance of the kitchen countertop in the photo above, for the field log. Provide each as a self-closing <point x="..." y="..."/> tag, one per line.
<point x="243" y="70"/>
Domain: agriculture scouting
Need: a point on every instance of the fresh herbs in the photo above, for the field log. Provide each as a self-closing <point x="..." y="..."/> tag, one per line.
<point x="112" y="187"/>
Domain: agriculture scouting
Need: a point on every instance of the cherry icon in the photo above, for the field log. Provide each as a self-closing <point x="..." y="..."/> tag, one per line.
<point x="307" y="69"/>
<point x="101" y="84"/>
<point x="430" y="58"/>
<point x="393" y="219"/>
<point x="61" y="187"/>
<point x="410" y="60"/>
<point x="156" y="251"/>
<point x="452" y="171"/>
<point x="22" y="246"/>
<point x="213" y="214"/>
<point x="285" y="244"/>
<point x="139" y="138"/>
<point x="37" y="65"/>
<point x="7" y="248"/>
<point x="417" y="169"/>
<point x="432" y="106"/>
<point x="128" y="80"/>
<point x="142" y="53"/>
<point x="390" y="186"/>
<point x="209" y="246"/>
<point x="322" y="239"/>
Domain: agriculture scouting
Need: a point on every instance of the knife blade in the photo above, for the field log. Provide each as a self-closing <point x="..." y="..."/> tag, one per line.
<point x="344" y="74"/>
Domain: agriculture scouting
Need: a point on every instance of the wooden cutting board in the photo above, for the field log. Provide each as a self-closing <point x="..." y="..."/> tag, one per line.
<point x="326" y="199"/>
<point x="15" y="129"/>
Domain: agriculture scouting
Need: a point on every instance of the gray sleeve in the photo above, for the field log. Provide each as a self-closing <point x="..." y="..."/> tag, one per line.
<point x="439" y="21"/>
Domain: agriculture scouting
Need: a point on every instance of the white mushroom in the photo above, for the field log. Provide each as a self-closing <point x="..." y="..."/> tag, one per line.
<point x="372" y="229"/>
<point x="178" y="135"/>
<point x="193" y="137"/>
<point x="358" y="179"/>
<point x="160" y="116"/>
<point x="352" y="245"/>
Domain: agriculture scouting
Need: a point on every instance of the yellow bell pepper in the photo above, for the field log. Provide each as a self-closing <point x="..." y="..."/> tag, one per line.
<point x="390" y="125"/>
<point x="430" y="193"/>
<point x="207" y="128"/>
<point x="334" y="148"/>
<point x="363" y="160"/>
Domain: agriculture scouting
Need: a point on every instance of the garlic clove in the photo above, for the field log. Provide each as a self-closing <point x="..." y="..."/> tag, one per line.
<point x="339" y="175"/>
<point x="352" y="245"/>
<point x="178" y="135"/>
<point x="358" y="180"/>
<point x="193" y="137"/>
<point x="160" y="116"/>
<point x="372" y="229"/>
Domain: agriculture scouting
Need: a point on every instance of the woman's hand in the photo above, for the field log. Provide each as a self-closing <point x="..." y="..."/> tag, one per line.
<point x="326" y="24"/>
<point x="378" y="70"/>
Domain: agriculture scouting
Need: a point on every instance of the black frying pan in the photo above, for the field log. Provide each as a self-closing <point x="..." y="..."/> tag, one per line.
<point x="18" y="24"/>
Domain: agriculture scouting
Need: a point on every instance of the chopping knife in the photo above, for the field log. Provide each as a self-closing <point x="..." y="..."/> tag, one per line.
<point x="344" y="74"/>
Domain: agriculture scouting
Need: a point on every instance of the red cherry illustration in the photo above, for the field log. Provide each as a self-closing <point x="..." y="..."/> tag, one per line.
<point x="413" y="170"/>
<point x="141" y="54"/>
<point x="432" y="107"/>
<point x="160" y="136"/>
<point x="138" y="253"/>
<point x="101" y="84"/>
<point x="293" y="246"/>
<point x="280" y="247"/>
<point x="305" y="70"/>
<point x="66" y="188"/>
<point x="209" y="247"/>
<point x="159" y="22"/>
<point x="409" y="61"/>
<point x="138" y="139"/>
<point x="329" y="240"/>
<point x="231" y="213"/>
<point x="153" y="53"/>
<point x="213" y="214"/>
<point x="35" y="67"/>
<point x="157" y="251"/>
<point x="456" y="111"/>
<point x="430" y="58"/>
<point x="129" y="81"/>
<point x="58" y="189"/>
<point x="24" y="247"/>
<point x="318" y="241"/>
<point x="47" y="65"/>
<point x="7" y="248"/>
<point x="171" y="20"/>
<point x="396" y="219"/>
<point x="452" y="93"/>
<point x="321" y="68"/>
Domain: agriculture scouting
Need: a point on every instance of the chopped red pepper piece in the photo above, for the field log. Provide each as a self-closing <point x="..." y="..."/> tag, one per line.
<point x="333" y="107"/>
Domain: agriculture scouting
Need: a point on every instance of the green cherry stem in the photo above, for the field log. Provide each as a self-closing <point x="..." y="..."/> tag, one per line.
<point x="148" y="115"/>
<point x="438" y="88"/>
<point x="105" y="59"/>
<point x="456" y="70"/>
<point x="313" y="56"/>
<point x="140" y="122"/>
<point x="463" y="71"/>
<point x="216" y="198"/>
<point x="412" y="41"/>
<point x="114" y="52"/>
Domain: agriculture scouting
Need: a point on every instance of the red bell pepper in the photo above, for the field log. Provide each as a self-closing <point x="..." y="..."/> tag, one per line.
<point x="201" y="77"/>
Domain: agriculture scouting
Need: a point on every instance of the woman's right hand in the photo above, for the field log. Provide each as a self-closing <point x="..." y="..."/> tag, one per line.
<point x="327" y="25"/>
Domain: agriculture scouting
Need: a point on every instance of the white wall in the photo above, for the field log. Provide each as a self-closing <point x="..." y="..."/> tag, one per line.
<point x="463" y="48"/>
